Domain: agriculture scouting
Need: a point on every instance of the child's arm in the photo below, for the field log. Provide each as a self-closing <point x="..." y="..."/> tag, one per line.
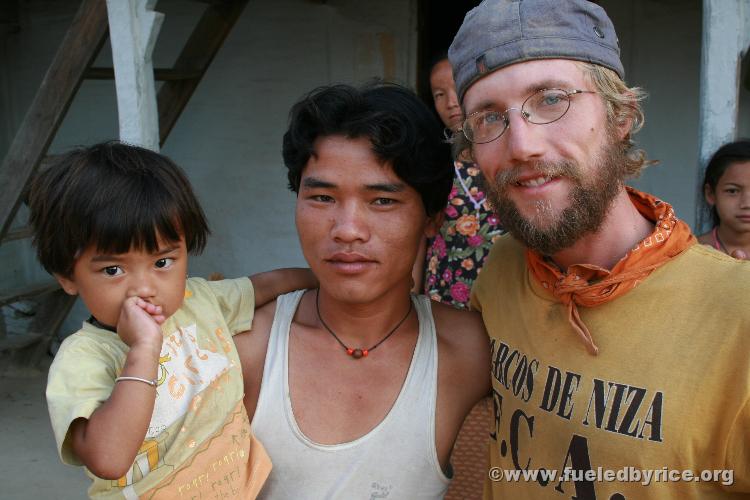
<point x="271" y="284"/>
<point x="108" y="441"/>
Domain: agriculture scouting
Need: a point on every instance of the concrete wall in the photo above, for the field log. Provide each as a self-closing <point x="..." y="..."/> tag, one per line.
<point x="661" y="50"/>
<point x="229" y="137"/>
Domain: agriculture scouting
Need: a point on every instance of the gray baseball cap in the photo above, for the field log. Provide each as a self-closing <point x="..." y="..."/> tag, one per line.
<point x="498" y="33"/>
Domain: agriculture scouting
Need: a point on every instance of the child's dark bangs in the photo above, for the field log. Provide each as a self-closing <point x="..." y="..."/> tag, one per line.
<point x="135" y="198"/>
<point x="137" y="226"/>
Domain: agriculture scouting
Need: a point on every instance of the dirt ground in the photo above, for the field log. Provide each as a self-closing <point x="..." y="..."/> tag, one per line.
<point x="29" y="464"/>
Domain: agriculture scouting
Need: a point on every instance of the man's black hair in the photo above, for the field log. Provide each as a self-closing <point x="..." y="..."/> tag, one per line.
<point x="403" y="132"/>
<point x="116" y="197"/>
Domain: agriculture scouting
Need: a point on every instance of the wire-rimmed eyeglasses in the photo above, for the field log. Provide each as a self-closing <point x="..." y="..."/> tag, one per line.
<point x="540" y="108"/>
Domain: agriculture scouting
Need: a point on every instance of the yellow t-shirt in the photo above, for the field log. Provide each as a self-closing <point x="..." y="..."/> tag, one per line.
<point x="198" y="444"/>
<point x="669" y="390"/>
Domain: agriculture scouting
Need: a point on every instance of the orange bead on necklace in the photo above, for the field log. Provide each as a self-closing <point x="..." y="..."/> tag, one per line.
<point x="357" y="353"/>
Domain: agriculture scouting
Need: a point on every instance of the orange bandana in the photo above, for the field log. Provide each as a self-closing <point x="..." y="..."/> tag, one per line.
<point x="589" y="285"/>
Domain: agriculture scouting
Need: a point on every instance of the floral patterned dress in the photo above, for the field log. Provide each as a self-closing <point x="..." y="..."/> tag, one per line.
<point x="455" y="256"/>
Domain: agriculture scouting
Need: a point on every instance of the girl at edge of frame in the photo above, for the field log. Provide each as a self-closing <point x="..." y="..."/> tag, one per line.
<point x="726" y="192"/>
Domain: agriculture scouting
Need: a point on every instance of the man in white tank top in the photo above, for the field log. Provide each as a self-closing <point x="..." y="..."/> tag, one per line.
<point x="358" y="389"/>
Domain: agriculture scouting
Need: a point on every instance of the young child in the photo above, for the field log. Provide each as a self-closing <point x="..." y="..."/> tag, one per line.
<point x="148" y="394"/>
<point x="726" y="188"/>
<point x="455" y="256"/>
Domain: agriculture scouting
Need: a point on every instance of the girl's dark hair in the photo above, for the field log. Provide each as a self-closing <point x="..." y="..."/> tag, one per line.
<point x="437" y="57"/>
<point x="402" y="130"/>
<point x="732" y="152"/>
<point x="116" y="197"/>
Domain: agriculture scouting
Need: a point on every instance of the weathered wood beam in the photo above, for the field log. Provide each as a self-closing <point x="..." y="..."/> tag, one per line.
<point x="27" y="292"/>
<point x="196" y="56"/>
<point x="76" y="52"/>
<point x="160" y="74"/>
<point x="46" y="323"/>
<point x="17" y="234"/>
<point x="27" y="350"/>
<point x="16" y="342"/>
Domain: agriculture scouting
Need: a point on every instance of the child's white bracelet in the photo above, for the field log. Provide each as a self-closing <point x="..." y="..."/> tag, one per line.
<point x="137" y="379"/>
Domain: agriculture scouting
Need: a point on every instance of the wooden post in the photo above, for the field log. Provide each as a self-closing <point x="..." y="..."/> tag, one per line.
<point x="726" y="37"/>
<point x="133" y="29"/>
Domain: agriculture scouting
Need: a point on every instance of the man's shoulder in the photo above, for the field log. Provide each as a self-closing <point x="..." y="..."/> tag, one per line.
<point x="264" y="318"/>
<point x="701" y="262"/>
<point x="262" y="322"/>
<point x="458" y="330"/>
<point x="464" y="352"/>
<point x="505" y="264"/>
<point x="252" y="345"/>
<point x="711" y="256"/>
<point x="506" y="252"/>
<point x="712" y="277"/>
<point x="449" y="318"/>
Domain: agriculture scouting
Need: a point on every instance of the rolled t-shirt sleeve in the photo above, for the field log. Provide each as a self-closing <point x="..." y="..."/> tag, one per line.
<point x="236" y="299"/>
<point x="80" y="379"/>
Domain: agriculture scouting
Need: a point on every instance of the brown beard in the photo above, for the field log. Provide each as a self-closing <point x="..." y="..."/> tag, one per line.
<point x="589" y="201"/>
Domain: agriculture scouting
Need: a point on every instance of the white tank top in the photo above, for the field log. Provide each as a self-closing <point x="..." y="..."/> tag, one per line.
<point x="395" y="460"/>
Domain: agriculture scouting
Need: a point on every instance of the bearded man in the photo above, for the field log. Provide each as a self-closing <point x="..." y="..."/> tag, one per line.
<point x="620" y="349"/>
